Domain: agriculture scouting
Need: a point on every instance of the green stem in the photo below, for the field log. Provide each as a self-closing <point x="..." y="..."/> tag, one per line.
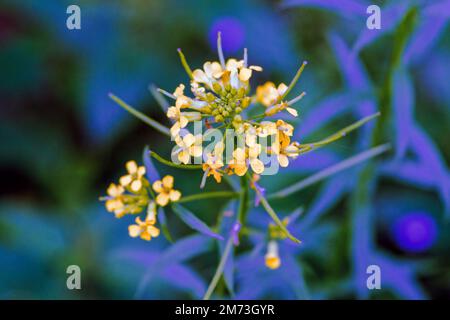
<point x="209" y="195"/>
<point x="219" y="269"/>
<point x="185" y="64"/>
<point x="243" y="201"/>
<point x="175" y="165"/>
<point x="294" y="81"/>
<point x="275" y="218"/>
<point x="152" y="123"/>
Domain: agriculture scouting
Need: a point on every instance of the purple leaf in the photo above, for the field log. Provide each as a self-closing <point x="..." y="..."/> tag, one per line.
<point x="195" y="223"/>
<point x="391" y="16"/>
<point x="403" y="103"/>
<point x="151" y="172"/>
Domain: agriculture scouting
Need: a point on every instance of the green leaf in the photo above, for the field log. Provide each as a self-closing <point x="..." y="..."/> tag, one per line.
<point x="327" y="172"/>
<point x="307" y="147"/>
<point x="152" y="123"/>
<point x="175" y="165"/>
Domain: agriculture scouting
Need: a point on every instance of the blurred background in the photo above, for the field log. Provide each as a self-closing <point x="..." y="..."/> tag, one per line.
<point x="63" y="141"/>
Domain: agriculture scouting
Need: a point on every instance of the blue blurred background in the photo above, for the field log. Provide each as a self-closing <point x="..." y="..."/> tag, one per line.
<point x="63" y="141"/>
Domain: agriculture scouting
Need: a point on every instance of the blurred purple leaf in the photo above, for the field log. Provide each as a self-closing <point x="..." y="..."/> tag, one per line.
<point x="151" y="172"/>
<point x="403" y="105"/>
<point x="195" y="223"/>
<point x="391" y="15"/>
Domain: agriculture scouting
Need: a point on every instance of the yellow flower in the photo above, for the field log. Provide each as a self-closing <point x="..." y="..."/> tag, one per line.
<point x="145" y="229"/>
<point x="180" y="121"/>
<point x="268" y="94"/>
<point x="272" y="258"/>
<point x="188" y="146"/>
<point x="213" y="163"/>
<point x="135" y="176"/>
<point x="238" y="163"/>
<point x="284" y="149"/>
<point x="165" y="191"/>
<point x="116" y="202"/>
<point x="256" y="164"/>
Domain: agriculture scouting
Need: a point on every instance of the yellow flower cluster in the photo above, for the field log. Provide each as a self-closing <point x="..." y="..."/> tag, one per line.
<point x="220" y="95"/>
<point x="132" y="195"/>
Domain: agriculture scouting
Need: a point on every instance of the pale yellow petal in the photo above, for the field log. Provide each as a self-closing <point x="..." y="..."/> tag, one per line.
<point x="132" y="166"/>
<point x="184" y="157"/>
<point x="245" y="74"/>
<point x="126" y="180"/>
<point x="153" y="231"/>
<point x="162" y="199"/>
<point x="136" y="185"/>
<point x="167" y="182"/>
<point x="292" y="111"/>
<point x="283" y="160"/>
<point x="134" y="230"/>
<point x="195" y="151"/>
<point x="257" y="165"/>
<point x="141" y="171"/>
<point x="174" y="195"/>
<point x="157" y="186"/>
<point x="183" y="121"/>
<point x="189" y="140"/>
<point x="282" y="89"/>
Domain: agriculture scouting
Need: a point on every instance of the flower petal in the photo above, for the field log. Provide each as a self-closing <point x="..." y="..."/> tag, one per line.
<point x="167" y="182"/>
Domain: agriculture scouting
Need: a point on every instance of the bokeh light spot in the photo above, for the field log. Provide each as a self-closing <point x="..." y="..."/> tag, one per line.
<point x="415" y="232"/>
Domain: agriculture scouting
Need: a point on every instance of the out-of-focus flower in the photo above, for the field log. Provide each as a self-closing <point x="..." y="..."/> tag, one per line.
<point x="115" y="203"/>
<point x="165" y="191"/>
<point x="130" y="196"/>
<point x="134" y="177"/>
<point x="272" y="259"/>
<point x="145" y="229"/>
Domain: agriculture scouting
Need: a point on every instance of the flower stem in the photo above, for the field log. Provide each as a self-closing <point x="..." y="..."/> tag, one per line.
<point x="152" y="123"/>
<point x="219" y="269"/>
<point x="274" y="217"/>
<point x="175" y="165"/>
<point x="243" y="203"/>
<point x="208" y="195"/>
<point x="185" y="64"/>
<point x="294" y="81"/>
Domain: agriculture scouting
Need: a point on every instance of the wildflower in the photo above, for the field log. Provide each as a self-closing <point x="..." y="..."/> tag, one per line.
<point x="165" y="191"/>
<point x="134" y="178"/>
<point x="238" y="163"/>
<point x="145" y="229"/>
<point x="130" y="195"/>
<point x="188" y="146"/>
<point x="272" y="258"/>
<point x="268" y="94"/>
<point x="115" y="202"/>
<point x="213" y="163"/>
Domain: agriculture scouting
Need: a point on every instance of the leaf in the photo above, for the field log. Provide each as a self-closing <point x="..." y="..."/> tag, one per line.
<point x="150" y="170"/>
<point x="162" y="102"/>
<point x="195" y="223"/>
<point x="152" y="123"/>
<point x="352" y="161"/>
<point x="403" y="104"/>
<point x="163" y="223"/>
<point x="304" y="148"/>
